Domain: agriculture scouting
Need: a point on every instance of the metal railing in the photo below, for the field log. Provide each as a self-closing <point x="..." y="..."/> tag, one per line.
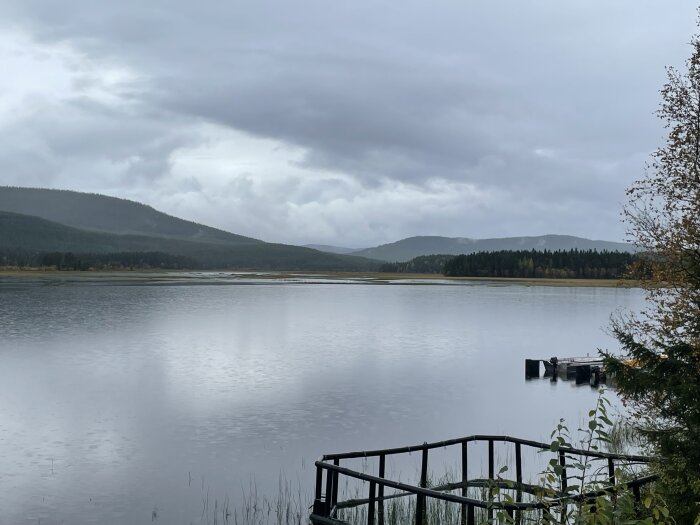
<point x="326" y="504"/>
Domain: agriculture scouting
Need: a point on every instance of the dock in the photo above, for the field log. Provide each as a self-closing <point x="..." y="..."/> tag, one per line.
<point x="582" y="370"/>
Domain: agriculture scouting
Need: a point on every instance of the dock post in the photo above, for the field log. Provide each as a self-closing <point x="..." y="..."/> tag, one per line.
<point x="583" y="374"/>
<point x="532" y="368"/>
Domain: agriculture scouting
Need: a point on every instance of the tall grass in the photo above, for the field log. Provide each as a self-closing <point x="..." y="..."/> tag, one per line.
<point x="289" y="506"/>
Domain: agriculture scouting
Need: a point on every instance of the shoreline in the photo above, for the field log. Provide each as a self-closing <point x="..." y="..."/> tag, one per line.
<point x="155" y="276"/>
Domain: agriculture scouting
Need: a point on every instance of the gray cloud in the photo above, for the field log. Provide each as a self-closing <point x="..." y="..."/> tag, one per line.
<point x="542" y="109"/>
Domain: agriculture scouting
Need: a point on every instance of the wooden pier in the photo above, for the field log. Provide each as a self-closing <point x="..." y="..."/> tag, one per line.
<point x="582" y="370"/>
<point x="527" y="501"/>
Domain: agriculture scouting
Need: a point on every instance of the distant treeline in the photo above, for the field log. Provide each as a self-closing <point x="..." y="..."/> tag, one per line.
<point x="422" y="264"/>
<point x="21" y="258"/>
<point x="559" y="264"/>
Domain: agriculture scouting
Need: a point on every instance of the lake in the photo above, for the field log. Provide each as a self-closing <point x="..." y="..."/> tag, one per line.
<point x="156" y="401"/>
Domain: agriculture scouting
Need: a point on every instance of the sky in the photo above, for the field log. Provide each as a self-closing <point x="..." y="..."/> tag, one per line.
<point x="346" y="123"/>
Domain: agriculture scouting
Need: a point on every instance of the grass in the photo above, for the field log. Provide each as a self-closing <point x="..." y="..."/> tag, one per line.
<point x="290" y="506"/>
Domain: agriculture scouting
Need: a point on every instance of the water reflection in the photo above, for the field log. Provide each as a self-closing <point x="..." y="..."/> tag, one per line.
<point x="116" y="401"/>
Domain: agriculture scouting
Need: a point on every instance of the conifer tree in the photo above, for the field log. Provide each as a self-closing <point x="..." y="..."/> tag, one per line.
<point x="661" y="381"/>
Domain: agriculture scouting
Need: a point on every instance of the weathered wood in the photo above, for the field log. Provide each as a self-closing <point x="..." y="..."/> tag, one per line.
<point x="489" y="512"/>
<point x="329" y="491"/>
<point x="319" y="506"/>
<point x="421" y="502"/>
<point x="583" y="374"/>
<point x="518" y="479"/>
<point x="532" y="368"/>
<point x="470" y="515"/>
<point x="465" y="478"/>
<point x="371" y="504"/>
<point x="382" y="468"/>
<point x="518" y="464"/>
<point x="479" y="437"/>
<point x="564" y="477"/>
<point x="446" y="496"/>
<point x="326" y="502"/>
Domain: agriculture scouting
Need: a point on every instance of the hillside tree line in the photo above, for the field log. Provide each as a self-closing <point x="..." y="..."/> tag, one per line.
<point x="558" y="264"/>
<point x="23" y="258"/>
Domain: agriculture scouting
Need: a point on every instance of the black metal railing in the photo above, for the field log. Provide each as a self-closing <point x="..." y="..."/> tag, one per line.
<point x="326" y="504"/>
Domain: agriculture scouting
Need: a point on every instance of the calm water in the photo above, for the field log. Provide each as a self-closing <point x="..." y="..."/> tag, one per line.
<point x="124" y="404"/>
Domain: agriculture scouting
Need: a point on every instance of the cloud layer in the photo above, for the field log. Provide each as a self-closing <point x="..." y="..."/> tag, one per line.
<point x="342" y="123"/>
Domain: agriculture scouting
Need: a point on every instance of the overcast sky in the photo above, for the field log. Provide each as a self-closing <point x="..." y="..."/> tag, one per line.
<point x="349" y="123"/>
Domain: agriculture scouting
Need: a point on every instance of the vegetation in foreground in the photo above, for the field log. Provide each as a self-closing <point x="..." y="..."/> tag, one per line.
<point x="584" y="475"/>
<point x="662" y="382"/>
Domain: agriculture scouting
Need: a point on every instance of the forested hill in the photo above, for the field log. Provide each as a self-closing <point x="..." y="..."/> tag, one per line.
<point x="26" y="240"/>
<point x="564" y="264"/>
<point x="407" y="249"/>
<point x="91" y="211"/>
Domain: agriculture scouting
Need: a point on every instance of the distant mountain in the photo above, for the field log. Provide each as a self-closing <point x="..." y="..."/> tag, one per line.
<point x="35" y="234"/>
<point x="90" y="211"/>
<point x="407" y="249"/>
<point x="331" y="249"/>
<point x="67" y="221"/>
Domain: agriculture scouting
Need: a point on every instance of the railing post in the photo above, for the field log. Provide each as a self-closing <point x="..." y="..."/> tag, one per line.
<point x="329" y="491"/>
<point x="465" y="478"/>
<point x="372" y="501"/>
<point x="470" y="515"/>
<point x="562" y="463"/>
<point x="492" y="475"/>
<point x="319" y="507"/>
<point x="519" y="481"/>
<point x="564" y="483"/>
<point x="637" y="500"/>
<point x="382" y="468"/>
<point x="420" y="501"/>
<point x="334" y="497"/>
<point x="611" y="474"/>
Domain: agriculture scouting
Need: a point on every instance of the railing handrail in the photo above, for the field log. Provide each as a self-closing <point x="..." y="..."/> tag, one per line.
<point x="481" y="437"/>
<point x="446" y="496"/>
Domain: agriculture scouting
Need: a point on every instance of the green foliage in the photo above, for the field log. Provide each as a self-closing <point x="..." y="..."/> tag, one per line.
<point x="584" y="477"/>
<point x="660" y="378"/>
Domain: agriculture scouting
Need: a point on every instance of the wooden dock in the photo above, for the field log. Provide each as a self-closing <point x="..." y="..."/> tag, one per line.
<point x="582" y="370"/>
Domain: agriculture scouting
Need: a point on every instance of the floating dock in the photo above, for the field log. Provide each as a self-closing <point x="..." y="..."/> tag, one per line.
<point x="582" y="370"/>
